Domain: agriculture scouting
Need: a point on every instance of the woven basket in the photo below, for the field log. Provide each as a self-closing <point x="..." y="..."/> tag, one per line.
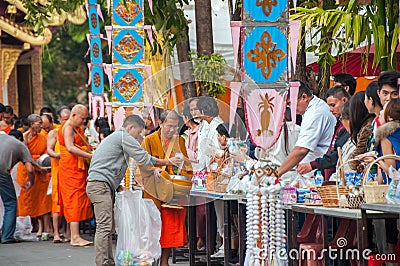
<point x="376" y="193"/>
<point x="354" y="202"/>
<point x="330" y="194"/>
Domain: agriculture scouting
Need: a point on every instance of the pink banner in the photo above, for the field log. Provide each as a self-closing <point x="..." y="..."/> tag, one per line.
<point x="233" y="6"/>
<point x="109" y="112"/>
<point x="99" y="12"/>
<point x="87" y="9"/>
<point x="108" y="5"/>
<point x="149" y="30"/>
<point x="294" y="91"/>
<point x="97" y="106"/>
<point x="119" y="118"/>
<point x="294" y="36"/>
<point x="235" y="30"/>
<point x="150" y="109"/>
<point x="88" y="41"/>
<point x="149" y="72"/>
<point x="235" y="92"/>
<point x="108" y="70"/>
<point x="151" y="6"/>
<point x="265" y="110"/>
<point x="136" y="111"/>
<point x="89" y="65"/>
<point x="109" y="37"/>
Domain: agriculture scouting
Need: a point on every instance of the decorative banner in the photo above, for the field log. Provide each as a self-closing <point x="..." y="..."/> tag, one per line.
<point x="294" y="91"/>
<point x="119" y="118"/>
<point x="109" y="37"/>
<point x="128" y="14"/>
<point x="92" y="2"/>
<point x="235" y="30"/>
<point x="265" y="110"/>
<point x="294" y="36"/>
<point x="107" y="68"/>
<point x="99" y="13"/>
<point x="235" y="92"/>
<point x="93" y="20"/>
<point x="127" y="86"/>
<point x="149" y="73"/>
<point x="89" y="65"/>
<point x="97" y="106"/>
<point x="137" y="112"/>
<point x="128" y="47"/>
<point x="265" y="54"/>
<point x="264" y="10"/>
<point x="109" y="112"/>
<point x="151" y="6"/>
<point x="96" y="54"/>
<point x="149" y="30"/>
<point x="97" y="79"/>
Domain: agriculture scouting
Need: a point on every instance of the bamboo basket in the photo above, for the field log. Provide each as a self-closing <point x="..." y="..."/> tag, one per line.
<point x="330" y="194"/>
<point x="217" y="180"/>
<point x="376" y="193"/>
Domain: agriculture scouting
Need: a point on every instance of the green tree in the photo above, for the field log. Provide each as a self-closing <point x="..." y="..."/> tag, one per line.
<point x="64" y="70"/>
<point x="350" y="26"/>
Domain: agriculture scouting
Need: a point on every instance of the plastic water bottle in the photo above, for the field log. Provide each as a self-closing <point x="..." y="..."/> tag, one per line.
<point x="318" y="179"/>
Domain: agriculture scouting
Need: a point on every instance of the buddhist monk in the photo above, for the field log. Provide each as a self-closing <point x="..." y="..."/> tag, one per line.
<point x="7" y="116"/>
<point x="173" y="230"/>
<point x="47" y="125"/>
<point x="35" y="202"/>
<point x="53" y="149"/>
<point x="72" y="174"/>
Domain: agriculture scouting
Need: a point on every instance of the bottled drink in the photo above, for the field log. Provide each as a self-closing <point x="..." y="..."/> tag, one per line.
<point x="318" y="179"/>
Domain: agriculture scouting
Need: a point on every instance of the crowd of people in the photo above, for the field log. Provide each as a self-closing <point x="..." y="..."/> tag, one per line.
<point x="86" y="172"/>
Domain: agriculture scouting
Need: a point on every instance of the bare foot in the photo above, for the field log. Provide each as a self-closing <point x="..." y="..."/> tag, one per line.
<point x="57" y="239"/>
<point x="39" y="234"/>
<point x="80" y="242"/>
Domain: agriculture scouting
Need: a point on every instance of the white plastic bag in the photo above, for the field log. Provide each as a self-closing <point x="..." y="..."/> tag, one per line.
<point x="393" y="194"/>
<point x="138" y="225"/>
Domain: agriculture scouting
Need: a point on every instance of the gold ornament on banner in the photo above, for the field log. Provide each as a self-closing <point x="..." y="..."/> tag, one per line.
<point x="266" y="55"/>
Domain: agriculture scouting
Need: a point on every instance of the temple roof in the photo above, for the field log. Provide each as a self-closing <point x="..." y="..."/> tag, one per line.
<point x="14" y="29"/>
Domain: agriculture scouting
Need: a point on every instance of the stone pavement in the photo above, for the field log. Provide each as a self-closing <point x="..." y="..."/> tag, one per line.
<point x="46" y="253"/>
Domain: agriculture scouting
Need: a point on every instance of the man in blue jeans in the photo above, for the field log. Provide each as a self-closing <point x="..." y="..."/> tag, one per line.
<point x="12" y="151"/>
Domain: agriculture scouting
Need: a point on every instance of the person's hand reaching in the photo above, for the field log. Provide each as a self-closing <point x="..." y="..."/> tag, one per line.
<point x="304" y="168"/>
<point x="177" y="161"/>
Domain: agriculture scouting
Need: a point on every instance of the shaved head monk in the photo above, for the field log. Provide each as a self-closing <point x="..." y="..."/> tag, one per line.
<point x="72" y="175"/>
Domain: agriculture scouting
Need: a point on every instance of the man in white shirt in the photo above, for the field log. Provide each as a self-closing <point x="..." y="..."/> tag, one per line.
<point x="316" y="131"/>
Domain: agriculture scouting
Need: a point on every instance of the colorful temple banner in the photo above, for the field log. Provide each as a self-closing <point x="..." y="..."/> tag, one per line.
<point x="96" y="54"/>
<point x="265" y="110"/>
<point x="265" y="53"/>
<point x="131" y="16"/>
<point x="93" y="19"/>
<point x="128" y="46"/>
<point x="265" y="10"/>
<point x="127" y="52"/>
<point x="97" y="79"/>
<point x="127" y="88"/>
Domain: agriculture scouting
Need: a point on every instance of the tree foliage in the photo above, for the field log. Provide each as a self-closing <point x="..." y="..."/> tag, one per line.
<point x="352" y="25"/>
<point x="64" y="70"/>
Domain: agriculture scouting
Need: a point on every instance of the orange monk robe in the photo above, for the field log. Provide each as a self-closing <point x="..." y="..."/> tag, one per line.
<point x="34" y="202"/>
<point x="173" y="229"/>
<point x="75" y="204"/>
<point x="7" y="129"/>
<point x="54" y="179"/>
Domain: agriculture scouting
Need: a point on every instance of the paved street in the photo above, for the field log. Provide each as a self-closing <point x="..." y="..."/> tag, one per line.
<point x="46" y="253"/>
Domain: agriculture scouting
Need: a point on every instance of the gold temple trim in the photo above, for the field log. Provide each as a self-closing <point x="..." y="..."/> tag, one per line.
<point x="9" y="59"/>
<point x="23" y="34"/>
<point x="78" y="17"/>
